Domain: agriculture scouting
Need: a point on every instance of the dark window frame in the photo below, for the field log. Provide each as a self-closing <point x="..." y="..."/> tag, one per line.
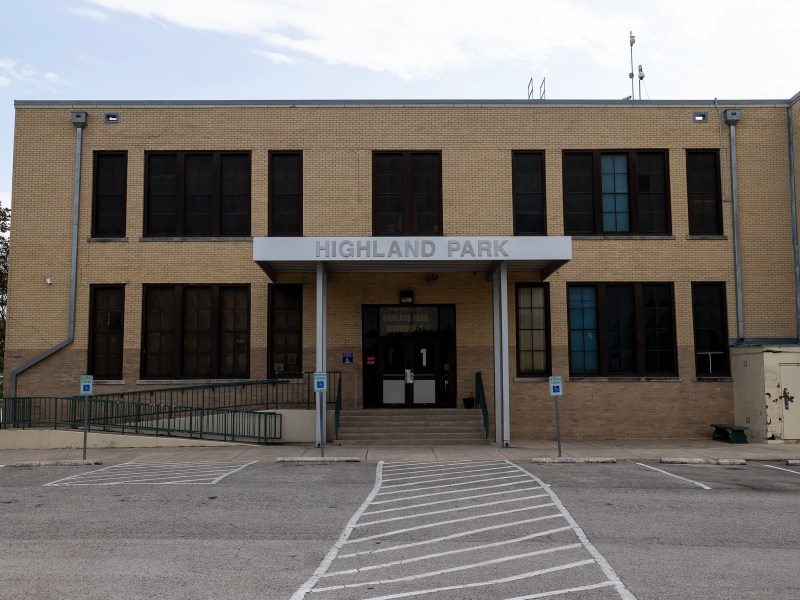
<point x="180" y="193"/>
<point x="516" y="193"/>
<point x="178" y="331"/>
<point x="634" y="194"/>
<point x="722" y="332"/>
<point x="547" y="335"/>
<point x="97" y="209"/>
<point x="298" y="367"/>
<point x="407" y="229"/>
<point x="602" y="321"/>
<point x="271" y="193"/>
<point x="93" y="333"/>
<point x="717" y="229"/>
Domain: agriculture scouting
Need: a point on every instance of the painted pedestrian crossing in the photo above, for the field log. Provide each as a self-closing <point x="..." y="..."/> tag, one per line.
<point x="460" y="530"/>
<point x="168" y="473"/>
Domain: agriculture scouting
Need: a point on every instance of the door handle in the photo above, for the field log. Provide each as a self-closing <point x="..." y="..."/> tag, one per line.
<point x="409" y="376"/>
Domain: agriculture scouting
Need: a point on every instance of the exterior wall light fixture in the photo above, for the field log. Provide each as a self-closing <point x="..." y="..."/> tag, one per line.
<point x="407" y="297"/>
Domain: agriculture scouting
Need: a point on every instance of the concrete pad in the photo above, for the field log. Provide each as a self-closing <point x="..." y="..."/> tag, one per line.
<point x="401" y="453"/>
<point x="565" y="460"/>
<point x="317" y="459"/>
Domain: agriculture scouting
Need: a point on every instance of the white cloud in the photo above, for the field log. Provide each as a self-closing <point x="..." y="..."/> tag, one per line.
<point x="13" y="72"/>
<point x="90" y="13"/>
<point x="275" y="57"/>
<point x="681" y="42"/>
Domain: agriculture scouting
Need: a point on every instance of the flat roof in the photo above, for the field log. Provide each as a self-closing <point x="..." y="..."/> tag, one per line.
<point x="394" y="103"/>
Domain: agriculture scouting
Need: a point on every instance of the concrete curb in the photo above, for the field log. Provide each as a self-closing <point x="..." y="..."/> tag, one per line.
<point x="793" y="463"/>
<point x="558" y="461"/>
<point x="56" y="463"/>
<point x="317" y="459"/>
<point x="703" y="461"/>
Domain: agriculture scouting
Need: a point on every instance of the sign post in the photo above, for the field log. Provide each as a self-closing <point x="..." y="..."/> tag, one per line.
<point x="87" y="389"/>
<point x="556" y="390"/>
<point x="321" y="386"/>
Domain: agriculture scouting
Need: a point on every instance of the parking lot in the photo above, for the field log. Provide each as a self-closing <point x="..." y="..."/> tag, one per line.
<point x="400" y="529"/>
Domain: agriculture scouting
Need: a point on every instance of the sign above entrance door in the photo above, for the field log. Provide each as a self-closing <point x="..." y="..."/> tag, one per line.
<point x="410" y="253"/>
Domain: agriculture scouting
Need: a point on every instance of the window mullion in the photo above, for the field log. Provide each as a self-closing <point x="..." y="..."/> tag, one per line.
<point x="602" y="330"/>
<point x="638" y="307"/>
<point x="180" y="191"/>
<point x="633" y="192"/>
<point x="215" y="325"/>
<point x="216" y="193"/>
<point x="597" y="189"/>
<point x="177" y="370"/>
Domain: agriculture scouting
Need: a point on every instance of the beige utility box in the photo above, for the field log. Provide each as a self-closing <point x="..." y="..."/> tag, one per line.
<point x="766" y="391"/>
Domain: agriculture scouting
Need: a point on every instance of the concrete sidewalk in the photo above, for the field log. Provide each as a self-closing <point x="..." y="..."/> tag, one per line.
<point x="521" y="450"/>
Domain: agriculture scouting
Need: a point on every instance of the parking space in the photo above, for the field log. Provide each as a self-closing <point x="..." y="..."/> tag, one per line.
<point x="169" y="473"/>
<point x="461" y="530"/>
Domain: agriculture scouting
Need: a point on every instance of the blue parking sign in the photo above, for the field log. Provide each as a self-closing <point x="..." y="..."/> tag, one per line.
<point x="556" y="385"/>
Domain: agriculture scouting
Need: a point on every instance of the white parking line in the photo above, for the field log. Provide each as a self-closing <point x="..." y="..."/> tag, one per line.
<point x="405" y="561"/>
<point x="479" y="552"/>
<point x="782" y="469"/>
<point x="453" y="536"/>
<point x="130" y="473"/>
<point x="697" y="483"/>
<point x="467" y="567"/>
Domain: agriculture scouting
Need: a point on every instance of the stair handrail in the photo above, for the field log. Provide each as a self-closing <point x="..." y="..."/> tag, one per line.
<point x="338" y="412"/>
<point x="481" y="396"/>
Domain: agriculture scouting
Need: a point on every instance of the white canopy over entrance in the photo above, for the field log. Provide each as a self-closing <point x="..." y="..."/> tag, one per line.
<point x="495" y="255"/>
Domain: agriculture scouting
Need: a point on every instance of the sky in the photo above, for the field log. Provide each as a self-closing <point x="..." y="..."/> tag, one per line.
<point x="385" y="49"/>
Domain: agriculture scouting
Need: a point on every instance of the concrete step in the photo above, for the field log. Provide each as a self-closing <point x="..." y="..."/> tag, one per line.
<point x="421" y="427"/>
<point x="462" y="441"/>
<point x="347" y="431"/>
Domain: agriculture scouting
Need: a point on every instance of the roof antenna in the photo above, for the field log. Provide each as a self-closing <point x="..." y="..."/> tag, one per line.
<point x="632" y="41"/>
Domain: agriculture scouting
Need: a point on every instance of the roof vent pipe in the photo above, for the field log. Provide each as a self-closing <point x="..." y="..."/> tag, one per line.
<point x="79" y="120"/>
<point x="732" y="116"/>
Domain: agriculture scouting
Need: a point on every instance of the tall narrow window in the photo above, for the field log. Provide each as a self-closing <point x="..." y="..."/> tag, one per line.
<point x="619" y="330"/>
<point x="286" y="193"/>
<point x="407" y="193"/>
<point x="106" y="331"/>
<point x="109" y="194"/>
<point x="710" y="330"/>
<point x="197" y="194"/>
<point x="196" y="331"/>
<point x="583" y="343"/>
<point x="527" y="170"/>
<point x="702" y="186"/>
<point x="285" y="331"/>
<point x="610" y="193"/>
<point x="533" y="344"/>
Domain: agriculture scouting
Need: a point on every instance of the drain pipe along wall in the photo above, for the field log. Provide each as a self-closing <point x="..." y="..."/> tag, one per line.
<point x="79" y="120"/>
<point x="732" y="117"/>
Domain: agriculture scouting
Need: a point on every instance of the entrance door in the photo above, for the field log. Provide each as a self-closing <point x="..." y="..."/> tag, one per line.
<point x="790" y="400"/>
<point x="409" y="372"/>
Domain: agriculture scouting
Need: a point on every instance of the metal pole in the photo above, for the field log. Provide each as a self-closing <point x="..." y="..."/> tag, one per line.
<point x="86" y="401"/>
<point x="558" y="428"/>
<point x="321" y="409"/>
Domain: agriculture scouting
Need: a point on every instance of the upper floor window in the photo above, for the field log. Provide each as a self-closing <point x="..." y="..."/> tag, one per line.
<point x="197" y="194"/>
<point x="109" y="194"/>
<point x="286" y="193"/>
<point x="406" y="193"/>
<point x="527" y="172"/>
<point x="702" y="188"/>
<point x="618" y="330"/>
<point x="616" y="192"/>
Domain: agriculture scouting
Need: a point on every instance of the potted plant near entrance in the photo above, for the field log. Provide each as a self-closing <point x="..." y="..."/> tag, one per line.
<point x="469" y="400"/>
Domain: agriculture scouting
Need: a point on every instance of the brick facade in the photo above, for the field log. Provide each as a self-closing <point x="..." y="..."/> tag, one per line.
<point x="475" y="141"/>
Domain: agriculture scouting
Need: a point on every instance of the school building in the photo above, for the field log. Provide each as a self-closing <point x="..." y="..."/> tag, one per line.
<point x="644" y="251"/>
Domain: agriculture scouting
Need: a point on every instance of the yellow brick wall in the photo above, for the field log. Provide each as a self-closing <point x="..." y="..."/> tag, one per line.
<point x="337" y="144"/>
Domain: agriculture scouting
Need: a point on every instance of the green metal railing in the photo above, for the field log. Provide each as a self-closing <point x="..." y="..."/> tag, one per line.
<point x="141" y="418"/>
<point x="481" y="396"/>
<point x="337" y="413"/>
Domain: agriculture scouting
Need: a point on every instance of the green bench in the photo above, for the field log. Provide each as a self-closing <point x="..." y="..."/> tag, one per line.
<point x="735" y="434"/>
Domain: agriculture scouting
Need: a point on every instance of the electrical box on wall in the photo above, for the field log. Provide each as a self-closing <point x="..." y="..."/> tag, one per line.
<point x="732" y="116"/>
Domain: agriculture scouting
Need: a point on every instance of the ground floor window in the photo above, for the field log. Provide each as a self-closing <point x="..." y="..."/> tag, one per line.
<point x="710" y="330"/>
<point x="619" y="330"/>
<point x="196" y="331"/>
<point x="106" y="331"/>
<point x="533" y="343"/>
<point x="285" y="329"/>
